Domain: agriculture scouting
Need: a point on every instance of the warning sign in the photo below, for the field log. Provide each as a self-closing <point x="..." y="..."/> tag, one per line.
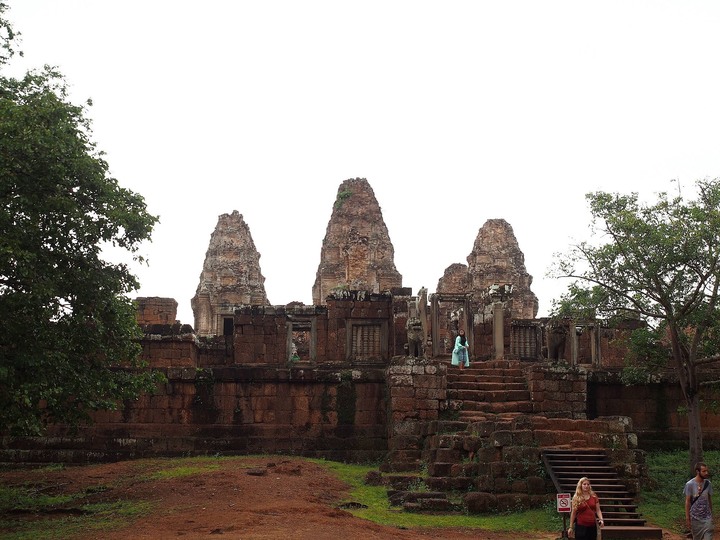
<point x="564" y="501"/>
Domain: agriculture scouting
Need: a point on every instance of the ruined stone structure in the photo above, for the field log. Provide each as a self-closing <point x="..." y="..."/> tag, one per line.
<point x="230" y="277"/>
<point x="494" y="284"/>
<point x="156" y="310"/>
<point x="364" y="373"/>
<point x="357" y="253"/>
<point x="495" y="259"/>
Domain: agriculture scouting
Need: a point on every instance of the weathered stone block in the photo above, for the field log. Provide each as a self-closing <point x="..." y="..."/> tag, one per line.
<point x="502" y="438"/>
<point x="401" y="380"/>
<point x="519" y="486"/>
<point x="428" y="414"/>
<point x="536" y="485"/>
<point x="404" y="443"/>
<point x="523" y="438"/>
<point x="447" y="455"/>
<point x="402" y="392"/>
<point x="439" y="469"/>
<point x="488" y="455"/>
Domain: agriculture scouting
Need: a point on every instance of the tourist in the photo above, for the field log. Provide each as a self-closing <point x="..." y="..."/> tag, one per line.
<point x="585" y="511"/>
<point x="698" y="504"/>
<point x="460" y="351"/>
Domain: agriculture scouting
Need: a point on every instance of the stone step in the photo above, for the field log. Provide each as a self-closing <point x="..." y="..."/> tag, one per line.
<point x="486" y="396"/>
<point x="399" y="465"/>
<point x="448" y="484"/>
<point x="497" y="364"/>
<point x="583" y="470"/>
<point x="448" y="426"/>
<point x="473" y="418"/>
<point x="576" y="455"/>
<point x="621" y="532"/>
<point x="619" y="508"/>
<point x="439" y="469"/>
<point x="400" y="497"/>
<point x="623" y="521"/>
<point x="499" y="407"/>
<point x="490" y="386"/>
<point x="466" y="375"/>
<point x="402" y="481"/>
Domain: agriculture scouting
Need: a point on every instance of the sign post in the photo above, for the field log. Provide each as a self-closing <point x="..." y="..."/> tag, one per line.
<point x="564" y="505"/>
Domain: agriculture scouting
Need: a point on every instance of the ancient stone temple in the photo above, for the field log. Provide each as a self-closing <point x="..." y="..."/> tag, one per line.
<point x="357" y="253"/>
<point x="365" y="373"/>
<point x="230" y="277"/>
<point x="495" y="259"/>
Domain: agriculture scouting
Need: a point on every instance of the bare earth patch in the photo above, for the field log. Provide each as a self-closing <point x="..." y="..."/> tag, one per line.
<point x="262" y="499"/>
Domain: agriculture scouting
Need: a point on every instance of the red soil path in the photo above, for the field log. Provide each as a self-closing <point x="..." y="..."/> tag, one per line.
<point x="258" y="499"/>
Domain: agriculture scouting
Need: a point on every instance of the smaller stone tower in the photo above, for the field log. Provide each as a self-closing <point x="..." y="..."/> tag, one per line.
<point x="495" y="259"/>
<point x="230" y="277"/>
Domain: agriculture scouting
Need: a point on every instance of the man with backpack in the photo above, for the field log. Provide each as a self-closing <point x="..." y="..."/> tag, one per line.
<point x="698" y="504"/>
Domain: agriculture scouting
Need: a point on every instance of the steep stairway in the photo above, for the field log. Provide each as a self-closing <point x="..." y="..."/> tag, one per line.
<point x="494" y="387"/>
<point x="622" y="520"/>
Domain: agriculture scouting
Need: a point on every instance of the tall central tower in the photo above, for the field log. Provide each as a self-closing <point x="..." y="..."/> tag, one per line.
<point x="356" y="252"/>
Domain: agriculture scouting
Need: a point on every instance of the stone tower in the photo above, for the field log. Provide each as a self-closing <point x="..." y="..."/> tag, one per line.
<point x="456" y="279"/>
<point x="495" y="259"/>
<point x="356" y="253"/>
<point x="230" y="277"/>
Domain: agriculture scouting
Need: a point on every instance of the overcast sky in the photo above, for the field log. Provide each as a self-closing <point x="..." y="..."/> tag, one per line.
<point x="455" y="111"/>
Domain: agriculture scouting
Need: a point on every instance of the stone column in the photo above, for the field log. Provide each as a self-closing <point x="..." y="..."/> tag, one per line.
<point x="572" y="334"/>
<point x="435" y="324"/>
<point x="498" y="331"/>
<point x="499" y="293"/>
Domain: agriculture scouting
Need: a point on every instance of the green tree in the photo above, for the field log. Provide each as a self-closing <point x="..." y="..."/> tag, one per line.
<point x="658" y="262"/>
<point x="69" y="341"/>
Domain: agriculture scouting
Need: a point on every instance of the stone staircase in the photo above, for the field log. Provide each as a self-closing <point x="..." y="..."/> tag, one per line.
<point x="492" y="453"/>
<point x="495" y="387"/>
<point x="567" y="466"/>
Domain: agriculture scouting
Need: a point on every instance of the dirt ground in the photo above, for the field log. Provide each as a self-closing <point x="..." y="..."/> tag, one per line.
<point x="262" y="499"/>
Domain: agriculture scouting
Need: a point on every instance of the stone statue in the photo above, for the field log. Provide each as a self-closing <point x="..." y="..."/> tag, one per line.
<point x="415" y="343"/>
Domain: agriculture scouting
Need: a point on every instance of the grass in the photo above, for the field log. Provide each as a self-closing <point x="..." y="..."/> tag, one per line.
<point x="377" y="510"/>
<point x="662" y="502"/>
<point x="90" y="517"/>
<point x="179" y="472"/>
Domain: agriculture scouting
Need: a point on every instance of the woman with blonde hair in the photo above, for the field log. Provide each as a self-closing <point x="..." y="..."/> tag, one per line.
<point x="585" y="506"/>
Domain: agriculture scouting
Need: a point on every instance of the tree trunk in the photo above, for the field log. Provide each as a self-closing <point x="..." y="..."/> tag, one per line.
<point x="694" y="431"/>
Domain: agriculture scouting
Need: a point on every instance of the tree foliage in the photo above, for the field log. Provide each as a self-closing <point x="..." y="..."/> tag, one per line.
<point x="69" y="340"/>
<point x="659" y="263"/>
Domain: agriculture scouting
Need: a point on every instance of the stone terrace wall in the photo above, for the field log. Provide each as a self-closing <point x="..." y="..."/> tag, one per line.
<point x="417" y="393"/>
<point x="333" y="414"/>
<point x="655" y="408"/>
<point x="558" y="390"/>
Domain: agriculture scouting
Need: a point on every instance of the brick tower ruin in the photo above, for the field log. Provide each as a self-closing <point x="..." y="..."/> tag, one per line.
<point x="357" y="253"/>
<point x="230" y="277"/>
<point x="495" y="259"/>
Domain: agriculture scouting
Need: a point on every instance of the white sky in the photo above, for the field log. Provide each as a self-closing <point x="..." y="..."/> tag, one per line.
<point x="455" y="111"/>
